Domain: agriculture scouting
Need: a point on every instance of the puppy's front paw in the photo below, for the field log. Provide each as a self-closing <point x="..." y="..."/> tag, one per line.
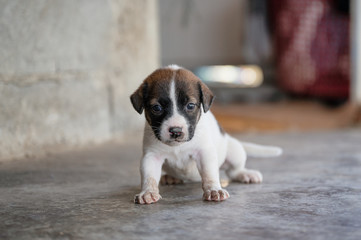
<point x="147" y="197"/>
<point x="215" y="195"/>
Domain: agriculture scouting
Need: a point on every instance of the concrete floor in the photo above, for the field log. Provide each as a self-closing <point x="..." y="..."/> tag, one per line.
<point x="312" y="192"/>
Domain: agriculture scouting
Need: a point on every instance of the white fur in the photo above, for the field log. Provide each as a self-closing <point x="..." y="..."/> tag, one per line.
<point x="256" y="150"/>
<point x="174" y="67"/>
<point x="198" y="159"/>
<point x="176" y="119"/>
<point x="181" y="161"/>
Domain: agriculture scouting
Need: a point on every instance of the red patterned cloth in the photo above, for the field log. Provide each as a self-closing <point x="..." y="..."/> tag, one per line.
<point x="312" y="47"/>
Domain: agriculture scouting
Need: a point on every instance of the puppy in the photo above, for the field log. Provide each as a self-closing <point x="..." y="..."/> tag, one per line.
<point x="183" y="139"/>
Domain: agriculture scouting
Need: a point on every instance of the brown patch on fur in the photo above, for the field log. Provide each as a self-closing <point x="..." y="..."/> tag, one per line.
<point x="157" y="81"/>
<point x="187" y="81"/>
<point x="153" y="101"/>
<point x="195" y="87"/>
<point x="187" y="76"/>
<point x="160" y="79"/>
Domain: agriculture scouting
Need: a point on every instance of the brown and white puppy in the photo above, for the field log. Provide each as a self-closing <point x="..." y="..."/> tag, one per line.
<point x="182" y="137"/>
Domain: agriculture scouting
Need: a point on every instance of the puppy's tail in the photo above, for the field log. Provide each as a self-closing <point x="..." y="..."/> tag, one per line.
<point x="256" y="150"/>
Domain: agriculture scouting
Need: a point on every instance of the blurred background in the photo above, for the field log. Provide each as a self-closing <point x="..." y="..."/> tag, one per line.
<point x="68" y="67"/>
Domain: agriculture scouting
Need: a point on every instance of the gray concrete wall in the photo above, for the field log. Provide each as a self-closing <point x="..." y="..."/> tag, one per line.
<point x="202" y="32"/>
<point x="67" y="69"/>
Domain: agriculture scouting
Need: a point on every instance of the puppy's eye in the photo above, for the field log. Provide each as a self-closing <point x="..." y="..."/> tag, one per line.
<point x="190" y="106"/>
<point x="157" y="108"/>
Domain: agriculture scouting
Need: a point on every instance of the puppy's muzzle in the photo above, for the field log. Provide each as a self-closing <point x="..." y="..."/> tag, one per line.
<point x="176" y="132"/>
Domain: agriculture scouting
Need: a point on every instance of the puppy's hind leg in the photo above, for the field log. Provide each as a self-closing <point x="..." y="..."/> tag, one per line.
<point x="236" y="161"/>
<point x="169" y="180"/>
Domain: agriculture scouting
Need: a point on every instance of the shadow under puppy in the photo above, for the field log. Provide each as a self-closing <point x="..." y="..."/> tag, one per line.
<point x="183" y="139"/>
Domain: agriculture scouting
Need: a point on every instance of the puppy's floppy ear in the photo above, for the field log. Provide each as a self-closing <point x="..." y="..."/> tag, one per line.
<point x="206" y="96"/>
<point x="137" y="98"/>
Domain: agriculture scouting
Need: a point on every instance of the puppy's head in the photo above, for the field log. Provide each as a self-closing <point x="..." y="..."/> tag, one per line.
<point x="172" y="99"/>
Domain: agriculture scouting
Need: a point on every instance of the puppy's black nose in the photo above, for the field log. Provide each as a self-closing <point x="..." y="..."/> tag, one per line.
<point x="175" y="132"/>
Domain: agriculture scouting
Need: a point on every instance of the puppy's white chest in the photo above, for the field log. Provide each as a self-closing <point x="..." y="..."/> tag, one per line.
<point x="182" y="165"/>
